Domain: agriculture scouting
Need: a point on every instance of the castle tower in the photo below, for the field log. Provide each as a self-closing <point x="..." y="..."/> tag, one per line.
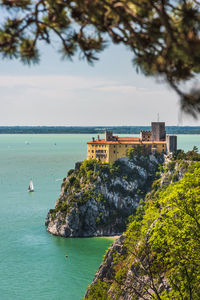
<point x="158" y="131"/>
<point x="171" y="143"/>
<point x="108" y="135"/>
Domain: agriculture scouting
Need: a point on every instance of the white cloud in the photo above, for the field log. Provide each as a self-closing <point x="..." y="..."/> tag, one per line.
<point x="117" y="88"/>
<point x="79" y="100"/>
<point x="51" y="81"/>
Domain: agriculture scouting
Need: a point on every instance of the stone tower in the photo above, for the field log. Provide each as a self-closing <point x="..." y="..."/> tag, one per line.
<point x="171" y="143"/>
<point x="108" y="135"/>
<point x="158" y="131"/>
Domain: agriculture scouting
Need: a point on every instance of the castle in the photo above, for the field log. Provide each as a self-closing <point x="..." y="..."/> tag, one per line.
<point x="114" y="147"/>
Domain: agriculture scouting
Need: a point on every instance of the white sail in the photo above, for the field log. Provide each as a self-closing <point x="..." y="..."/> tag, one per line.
<point x="30" y="187"/>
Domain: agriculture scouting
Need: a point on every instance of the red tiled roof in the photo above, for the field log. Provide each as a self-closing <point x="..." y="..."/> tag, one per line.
<point x="128" y="138"/>
<point x="124" y="140"/>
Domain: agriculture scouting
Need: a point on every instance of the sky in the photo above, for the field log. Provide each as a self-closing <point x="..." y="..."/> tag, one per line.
<point x="65" y="93"/>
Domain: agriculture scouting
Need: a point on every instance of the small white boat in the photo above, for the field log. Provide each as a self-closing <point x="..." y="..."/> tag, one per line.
<point x="30" y="187"/>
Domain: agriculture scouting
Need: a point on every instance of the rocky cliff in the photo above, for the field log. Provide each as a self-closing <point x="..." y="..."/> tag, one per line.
<point x="96" y="199"/>
<point x="158" y="256"/>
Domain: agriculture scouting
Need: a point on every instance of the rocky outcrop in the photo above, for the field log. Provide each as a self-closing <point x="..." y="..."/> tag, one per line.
<point x="96" y="199"/>
<point x="126" y="276"/>
<point x="139" y="265"/>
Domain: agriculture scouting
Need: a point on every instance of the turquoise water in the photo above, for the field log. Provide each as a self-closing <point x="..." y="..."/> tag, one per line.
<point x="32" y="262"/>
<point x="187" y="142"/>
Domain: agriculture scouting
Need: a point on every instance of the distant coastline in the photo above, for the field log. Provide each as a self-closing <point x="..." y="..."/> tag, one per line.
<point x="92" y="129"/>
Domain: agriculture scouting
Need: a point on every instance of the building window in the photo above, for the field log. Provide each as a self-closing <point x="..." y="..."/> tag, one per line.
<point x="92" y="151"/>
<point x="114" y="151"/>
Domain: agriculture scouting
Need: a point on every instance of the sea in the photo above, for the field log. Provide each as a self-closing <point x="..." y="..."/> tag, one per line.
<point x="33" y="263"/>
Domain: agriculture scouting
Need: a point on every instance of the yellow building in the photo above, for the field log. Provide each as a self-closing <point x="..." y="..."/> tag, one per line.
<point x="114" y="147"/>
<point x="109" y="151"/>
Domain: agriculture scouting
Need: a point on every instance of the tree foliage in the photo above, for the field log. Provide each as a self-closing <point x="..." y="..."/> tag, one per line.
<point x="159" y="258"/>
<point x="162" y="34"/>
<point x="174" y="238"/>
<point x="189" y="155"/>
<point x="139" y="150"/>
<point x="169" y="239"/>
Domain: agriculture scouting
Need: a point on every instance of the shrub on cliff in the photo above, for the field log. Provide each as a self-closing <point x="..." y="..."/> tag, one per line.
<point x="193" y="155"/>
<point x="159" y="258"/>
<point x="97" y="198"/>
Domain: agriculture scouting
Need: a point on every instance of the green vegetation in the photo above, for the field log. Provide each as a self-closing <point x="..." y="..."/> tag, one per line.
<point x="104" y="185"/>
<point x="99" y="291"/>
<point x="82" y="182"/>
<point x="170" y="166"/>
<point x="162" y="242"/>
<point x="137" y="151"/>
<point x="69" y="173"/>
<point x="190" y="155"/>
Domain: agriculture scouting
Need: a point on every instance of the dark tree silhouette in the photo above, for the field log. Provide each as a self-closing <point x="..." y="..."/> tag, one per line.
<point x="162" y="34"/>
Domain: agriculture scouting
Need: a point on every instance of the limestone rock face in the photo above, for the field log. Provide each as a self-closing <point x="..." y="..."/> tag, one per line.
<point x="126" y="271"/>
<point x="134" y="286"/>
<point x="96" y="199"/>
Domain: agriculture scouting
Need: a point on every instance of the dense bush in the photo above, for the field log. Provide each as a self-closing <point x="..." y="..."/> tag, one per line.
<point x="193" y="155"/>
<point x="70" y="172"/>
<point x="161" y="248"/>
<point x="137" y="151"/>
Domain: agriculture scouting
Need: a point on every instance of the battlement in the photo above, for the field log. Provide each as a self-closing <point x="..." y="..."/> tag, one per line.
<point x="145" y="135"/>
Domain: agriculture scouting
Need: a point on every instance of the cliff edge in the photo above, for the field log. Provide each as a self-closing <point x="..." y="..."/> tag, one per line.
<point x="97" y="198"/>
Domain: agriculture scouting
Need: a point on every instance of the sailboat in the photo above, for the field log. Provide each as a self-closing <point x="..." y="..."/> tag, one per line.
<point x="30" y="187"/>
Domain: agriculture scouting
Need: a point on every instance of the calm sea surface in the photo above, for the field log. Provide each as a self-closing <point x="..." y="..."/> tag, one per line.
<point x="32" y="262"/>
